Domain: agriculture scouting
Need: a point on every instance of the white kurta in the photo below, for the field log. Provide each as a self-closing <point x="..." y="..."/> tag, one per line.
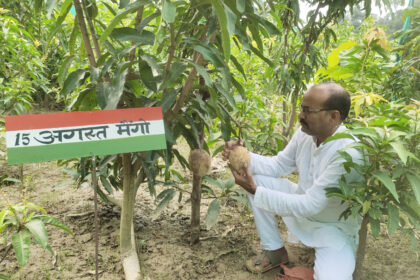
<point x="308" y="213"/>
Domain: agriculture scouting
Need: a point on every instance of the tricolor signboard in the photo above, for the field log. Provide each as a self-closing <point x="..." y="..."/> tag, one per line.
<point x="44" y="137"/>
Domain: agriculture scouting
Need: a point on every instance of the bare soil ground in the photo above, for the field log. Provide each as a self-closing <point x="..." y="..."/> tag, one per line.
<point x="163" y="241"/>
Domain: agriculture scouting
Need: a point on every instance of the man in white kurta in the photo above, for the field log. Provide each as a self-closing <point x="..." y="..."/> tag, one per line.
<point x="306" y="210"/>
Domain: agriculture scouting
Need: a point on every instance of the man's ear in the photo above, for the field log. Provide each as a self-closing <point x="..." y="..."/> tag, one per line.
<point x="335" y="115"/>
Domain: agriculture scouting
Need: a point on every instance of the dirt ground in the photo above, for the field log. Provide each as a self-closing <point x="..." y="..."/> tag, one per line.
<point x="163" y="241"/>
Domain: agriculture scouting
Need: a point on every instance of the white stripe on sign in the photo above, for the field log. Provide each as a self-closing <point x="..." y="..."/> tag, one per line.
<point x="74" y="134"/>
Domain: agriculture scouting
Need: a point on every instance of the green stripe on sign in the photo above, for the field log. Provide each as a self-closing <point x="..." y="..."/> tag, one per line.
<point x="83" y="149"/>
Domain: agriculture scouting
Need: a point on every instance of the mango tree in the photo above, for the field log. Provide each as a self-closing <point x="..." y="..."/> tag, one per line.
<point x="388" y="191"/>
<point x="170" y="54"/>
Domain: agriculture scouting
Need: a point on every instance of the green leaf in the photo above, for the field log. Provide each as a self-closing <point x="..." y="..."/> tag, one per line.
<point x="213" y="213"/>
<point x="65" y="8"/>
<point x="209" y="55"/>
<point x="401" y="151"/>
<point x="166" y="196"/>
<point x="108" y="94"/>
<point x="72" y="81"/>
<point x="120" y="15"/>
<point x="366" y="207"/>
<point x="176" y="71"/>
<point x="203" y="73"/>
<point x="51" y="4"/>
<point x="37" y="228"/>
<point x="368" y="132"/>
<point x="387" y="181"/>
<point x="393" y="218"/>
<point x="62" y="72"/>
<point x="48" y="220"/>
<point x="223" y="25"/>
<point x="231" y="20"/>
<point x="238" y="66"/>
<point x="240" y="5"/>
<point x="4" y="277"/>
<point x="415" y="185"/>
<point x="35" y="207"/>
<point x="123" y="4"/>
<point x="143" y="37"/>
<point x="21" y="242"/>
<point x="146" y="75"/>
<point x="168" y="100"/>
<point x="260" y="54"/>
<point x="375" y="227"/>
<point x="169" y="11"/>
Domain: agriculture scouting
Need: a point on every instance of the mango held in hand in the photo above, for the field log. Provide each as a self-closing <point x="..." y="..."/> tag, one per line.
<point x="239" y="157"/>
<point x="200" y="162"/>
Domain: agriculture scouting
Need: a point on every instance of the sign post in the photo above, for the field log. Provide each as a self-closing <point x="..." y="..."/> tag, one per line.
<point x="46" y="137"/>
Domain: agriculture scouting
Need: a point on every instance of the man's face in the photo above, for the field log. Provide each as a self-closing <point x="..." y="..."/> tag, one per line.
<point x="315" y="122"/>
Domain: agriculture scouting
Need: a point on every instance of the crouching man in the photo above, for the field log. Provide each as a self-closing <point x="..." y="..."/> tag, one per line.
<point x="304" y="207"/>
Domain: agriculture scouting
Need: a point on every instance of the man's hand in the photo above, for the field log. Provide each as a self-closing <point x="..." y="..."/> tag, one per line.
<point x="229" y="147"/>
<point x="244" y="179"/>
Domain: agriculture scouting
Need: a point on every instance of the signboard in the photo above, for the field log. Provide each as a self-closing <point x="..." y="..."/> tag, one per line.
<point x="45" y="137"/>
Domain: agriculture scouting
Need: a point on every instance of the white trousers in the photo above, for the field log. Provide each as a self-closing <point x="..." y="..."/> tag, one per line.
<point x="330" y="263"/>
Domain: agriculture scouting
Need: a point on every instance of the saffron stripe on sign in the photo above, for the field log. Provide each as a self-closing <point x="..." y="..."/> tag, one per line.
<point x="74" y="134"/>
<point x="54" y="120"/>
<point x="82" y="149"/>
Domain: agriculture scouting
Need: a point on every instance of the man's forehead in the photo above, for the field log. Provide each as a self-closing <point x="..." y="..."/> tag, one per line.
<point x="316" y="96"/>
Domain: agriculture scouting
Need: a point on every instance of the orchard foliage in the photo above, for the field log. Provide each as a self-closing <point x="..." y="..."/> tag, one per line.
<point x="220" y="69"/>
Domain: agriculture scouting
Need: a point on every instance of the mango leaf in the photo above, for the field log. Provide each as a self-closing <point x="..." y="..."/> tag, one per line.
<point x="231" y="20"/>
<point x="400" y="150"/>
<point x="393" y="218"/>
<point x="240" y="5"/>
<point x="120" y="15"/>
<point x="366" y="207"/>
<point x="210" y="55"/>
<point x="168" y="100"/>
<point x="369" y="132"/>
<point x="176" y="71"/>
<point x="108" y="94"/>
<point x="72" y="81"/>
<point x="238" y="66"/>
<point x="65" y="8"/>
<point x="48" y="220"/>
<point x="374" y="226"/>
<point x="123" y="3"/>
<point x="415" y="185"/>
<point x="260" y="54"/>
<point x="387" y="181"/>
<point x="213" y="213"/>
<point x="339" y="135"/>
<point x="166" y="196"/>
<point x="223" y="23"/>
<point x="21" y="242"/>
<point x="146" y="75"/>
<point x="143" y="37"/>
<point x="62" y="72"/>
<point x="37" y="228"/>
<point x="169" y="11"/>
<point x="51" y="4"/>
<point x="4" y="277"/>
<point x="203" y="73"/>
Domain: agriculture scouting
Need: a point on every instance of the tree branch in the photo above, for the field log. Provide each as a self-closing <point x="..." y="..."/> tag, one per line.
<point x="83" y="30"/>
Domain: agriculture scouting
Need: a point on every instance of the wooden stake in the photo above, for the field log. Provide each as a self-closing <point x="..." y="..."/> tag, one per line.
<point x="95" y="201"/>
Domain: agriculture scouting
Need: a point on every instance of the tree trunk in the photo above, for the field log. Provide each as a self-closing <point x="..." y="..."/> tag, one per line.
<point x="195" y="209"/>
<point x="127" y="241"/>
<point x="360" y="255"/>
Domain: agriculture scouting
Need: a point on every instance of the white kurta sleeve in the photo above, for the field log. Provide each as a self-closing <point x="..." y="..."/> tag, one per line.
<point x="280" y="165"/>
<point x="307" y="204"/>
